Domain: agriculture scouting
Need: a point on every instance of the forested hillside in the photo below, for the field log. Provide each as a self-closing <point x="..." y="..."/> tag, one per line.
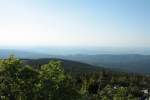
<point x="127" y="62"/>
<point x="67" y="65"/>
<point x="22" y="80"/>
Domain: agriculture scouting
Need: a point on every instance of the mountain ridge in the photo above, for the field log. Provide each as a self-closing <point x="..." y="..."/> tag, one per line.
<point x="128" y="62"/>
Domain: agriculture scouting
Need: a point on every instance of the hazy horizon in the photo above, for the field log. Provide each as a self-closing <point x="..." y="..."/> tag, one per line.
<point x="75" y="23"/>
<point x="64" y="50"/>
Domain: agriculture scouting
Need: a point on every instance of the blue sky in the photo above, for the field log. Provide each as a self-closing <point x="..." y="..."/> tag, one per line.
<point x="114" y="23"/>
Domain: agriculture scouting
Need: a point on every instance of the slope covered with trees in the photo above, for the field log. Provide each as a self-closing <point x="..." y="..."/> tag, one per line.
<point x="127" y="62"/>
<point x="19" y="81"/>
<point x="67" y="65"/>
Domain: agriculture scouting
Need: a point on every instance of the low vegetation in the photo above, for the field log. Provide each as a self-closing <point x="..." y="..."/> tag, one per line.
<point x="51" y="82"/>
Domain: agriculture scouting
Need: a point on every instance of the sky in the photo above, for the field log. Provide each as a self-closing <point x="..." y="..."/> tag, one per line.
<point x="85" y="23"/>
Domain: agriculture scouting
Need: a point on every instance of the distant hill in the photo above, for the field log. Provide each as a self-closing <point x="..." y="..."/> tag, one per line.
<point x="68" y="65"/>
<point x="127" y="62"/>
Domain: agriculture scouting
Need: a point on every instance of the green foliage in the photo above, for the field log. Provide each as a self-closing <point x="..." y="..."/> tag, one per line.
<point x="19" y="81"/>
<point x="52" y="71"/>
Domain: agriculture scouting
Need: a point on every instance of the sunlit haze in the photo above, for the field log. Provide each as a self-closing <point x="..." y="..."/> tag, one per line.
<point x="75" y="23"/>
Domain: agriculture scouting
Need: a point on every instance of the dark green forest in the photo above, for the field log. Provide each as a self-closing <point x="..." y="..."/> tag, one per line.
<point x="64" y="80"/>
